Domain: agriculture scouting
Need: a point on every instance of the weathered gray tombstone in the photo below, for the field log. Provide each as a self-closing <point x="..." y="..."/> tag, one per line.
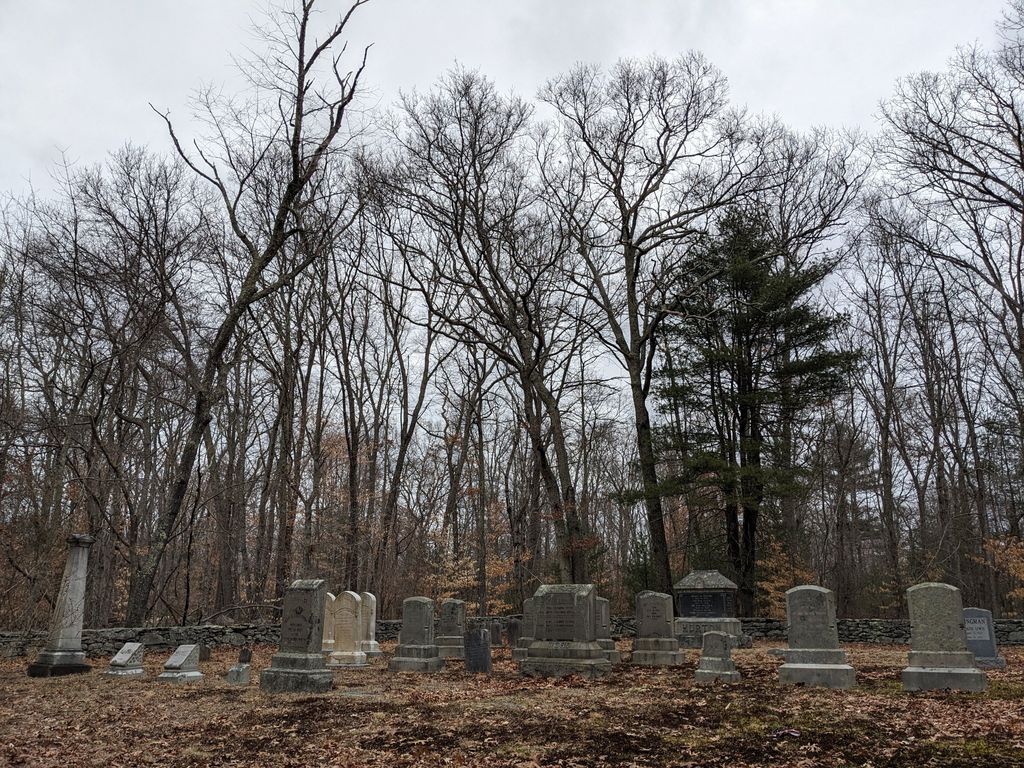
<point x="514" y="631"/>
<point x="417" y="651"/>
<point x="565" y="635"/>
<point x="981" y="639"/>
<point x="814" y="657"/>
<point x="716" y="659"/>
<point x="183" y="666"/>
<point x="706" y="602"/>
<point x="330" y="618"/>
<point x="496" y="633"/>
<point x="127" y="662"/>
<point x="204" y="652"/>
<point x="939" y="658"/>
<point x="298" y="666"/>
<point x="604" y="630"/>
<point x="347" y="632"/>
<point x="477" y="650"/>
<point x="239" y="674"/>
<point x="368" y="617"/>
<point x="62" y="654"/>
<point x="656" y="644"/>
<point x="451" y="628"/>
<point x="529" y="626"/>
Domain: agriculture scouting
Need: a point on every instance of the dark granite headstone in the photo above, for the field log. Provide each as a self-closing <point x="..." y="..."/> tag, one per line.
<point x="298" y="666"/>
<point x="981" y="638"/>
<point x="477" y="648"/>
<point x="514" y="630"/>
<point x="496" y="633"/>
<point x="204" y="652"/>
<point x="245" y="656"/>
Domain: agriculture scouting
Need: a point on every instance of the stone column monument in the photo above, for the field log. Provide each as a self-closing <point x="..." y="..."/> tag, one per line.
<point x="63" y="653"/>
<point x="298" y="666"/>
<point x="939" y="657"/>
<point x="814" y="657"/>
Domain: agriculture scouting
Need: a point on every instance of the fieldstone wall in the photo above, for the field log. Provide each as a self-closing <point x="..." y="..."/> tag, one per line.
<point x="106" y="642"/>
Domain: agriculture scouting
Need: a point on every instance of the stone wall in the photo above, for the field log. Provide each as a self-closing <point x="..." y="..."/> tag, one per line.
<point x="106" y="642"/>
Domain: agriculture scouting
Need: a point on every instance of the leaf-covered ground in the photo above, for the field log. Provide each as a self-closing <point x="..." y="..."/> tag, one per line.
<point x="643" y="717"/>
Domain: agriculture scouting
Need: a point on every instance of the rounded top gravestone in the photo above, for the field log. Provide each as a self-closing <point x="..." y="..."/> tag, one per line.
<point x="811" y="614"/>
<point x="936" y="618"/>
<point x="654" y="615"/>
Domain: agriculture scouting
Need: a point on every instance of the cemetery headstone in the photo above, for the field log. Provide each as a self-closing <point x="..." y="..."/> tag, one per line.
<point x="514" y="631"/>
<point x="204" y="652"/>
<point x="604" y="630"/>
<point x="716" y="662"/>
<point x="329" y="621"/>
<point x="705" y="601"/>
<point x="814" y="657"/>
<point x="63" y="654"/>
<point x="477" y="650"/>
<point x="451" y="627"/>
<point x="298" y="666"/>
<point x="656" y="644"/>
<point x="496" y="633"/>
<point x="417" y="651"/>
<point x="127" y="662"/>
<point x="368" y="617"/>
<point x="239" y="674"/>
<point x="939" y="658"/>
<point x="347" y="632"/>
<point x="519" y="651"/>
<point x="183" y="666"/>
<point x="981" y="639"/>
<point x="565" y="635"/>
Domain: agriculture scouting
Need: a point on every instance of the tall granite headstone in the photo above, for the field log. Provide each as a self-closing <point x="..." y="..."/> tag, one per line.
<point x="62" y="654"/>
<point x="298" y="666"/>
<point x="183" y="666"/>
<point x="604" y="630"/>
<point x="716" y="662"/>
<point x="451" y="628"/>
<point x="477" y="650"/>
<point x="981" y="639"/>
<point x="939" y="658"/>
<point x="368" y="617"/>
<point x="656" y="644"/>
<point x="417" y="651"/>
<point x="529" y="627"/>
<point x="347" y="631"/>
<point x="127" y="662"/>
<point x="706" y="602"/>
<point x="565" y="637"/>
<point x="814" y="657"/>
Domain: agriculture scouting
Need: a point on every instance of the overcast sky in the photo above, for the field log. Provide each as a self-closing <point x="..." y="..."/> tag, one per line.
<point x="76" y="75"/>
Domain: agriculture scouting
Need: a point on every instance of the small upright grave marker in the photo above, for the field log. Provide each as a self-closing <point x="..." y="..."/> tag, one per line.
<point x="981" y="638"/>
<point x="527" y="635"/>
<point x="477" y="650"/>
<point x="239" y="674"/>
<point x="451" y="627"/>
<point x="298" y="666"/>
<point x="183" y="666"/>
<point x="127" y="662"/>
<point x="716" y="660"/>
<point x="938" y="657"/>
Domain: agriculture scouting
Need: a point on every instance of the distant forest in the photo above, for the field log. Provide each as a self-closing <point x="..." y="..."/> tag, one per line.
<point x="609" y="332"/>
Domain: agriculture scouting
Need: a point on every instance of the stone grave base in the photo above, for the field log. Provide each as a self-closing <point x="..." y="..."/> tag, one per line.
<point x="548" y="658"/>
<point x="416" y="658"/>
<point x="57" y="663"/>
<point x="938" y="679"/>
<point x="124" y="672"/>
<point x="450" y="647"/>
<point x="520" y="651"/>
<point x="179" y="676"/>
<point x="690" y="632"/>
<point x="657" y="652"/>
<point x="371" y="648"/>
<point x="610" y="651"/>
<point x="296" y="673"/>
<point x="346" y="659"/>
<point x="818" y="675"/>
<point x="239" y="674"/>
<point x="990" y="662"/>
<point x="711" y="670"/>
